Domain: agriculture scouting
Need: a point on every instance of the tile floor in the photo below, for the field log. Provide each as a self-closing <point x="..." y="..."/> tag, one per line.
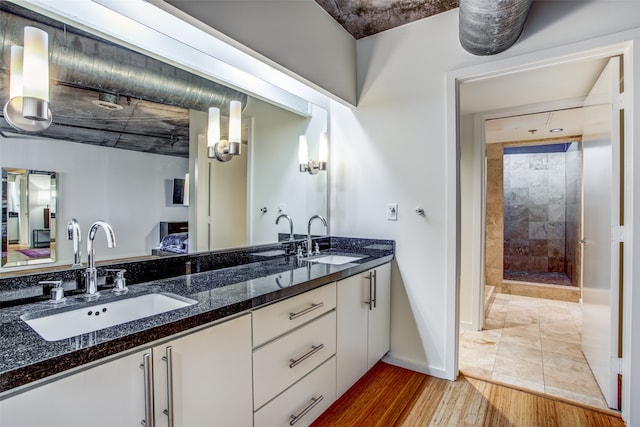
<point x="532" y="343"/>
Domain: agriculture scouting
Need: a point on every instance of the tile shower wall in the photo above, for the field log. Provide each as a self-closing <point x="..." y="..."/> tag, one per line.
<point x="494" y="227"/>
<point x="541" y="211"/>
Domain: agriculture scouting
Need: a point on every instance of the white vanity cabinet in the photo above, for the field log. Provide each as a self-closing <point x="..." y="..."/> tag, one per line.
<point x="111" y="394"/>
<point x="204" y="378"/>
<point x="210" y="383"/>
<point x="363" y="323"/>
<point x="294" y="358"/>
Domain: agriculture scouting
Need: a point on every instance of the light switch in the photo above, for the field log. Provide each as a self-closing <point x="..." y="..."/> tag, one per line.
<point x="392" y="212"/>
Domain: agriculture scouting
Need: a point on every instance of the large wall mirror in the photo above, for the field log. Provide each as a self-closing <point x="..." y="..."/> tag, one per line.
<point x="127" y="127"/>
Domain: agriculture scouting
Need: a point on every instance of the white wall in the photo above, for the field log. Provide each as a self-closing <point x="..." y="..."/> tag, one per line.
<point x="298" y="35"/>
<point x="275" y="179"/>
<point x="393" y="149"/>
<point x="128" y="189"/>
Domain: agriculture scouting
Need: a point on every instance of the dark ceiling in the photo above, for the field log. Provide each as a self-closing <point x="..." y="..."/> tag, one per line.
<point x="363" y="18"/>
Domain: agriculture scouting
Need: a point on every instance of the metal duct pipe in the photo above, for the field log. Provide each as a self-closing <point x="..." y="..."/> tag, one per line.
<point x="488" y="27"/>
<point x="84" y="62"/>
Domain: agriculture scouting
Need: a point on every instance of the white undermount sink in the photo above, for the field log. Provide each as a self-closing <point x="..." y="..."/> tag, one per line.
<point x="335" y="259"/>
<point x="71" y="323"/>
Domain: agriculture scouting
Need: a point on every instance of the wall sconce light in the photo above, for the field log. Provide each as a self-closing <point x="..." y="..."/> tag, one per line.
<point x="224" y="149"/>
<point x="28" y="105"/>
<point x="185" y="192"/>
<point x="310" y="165"/>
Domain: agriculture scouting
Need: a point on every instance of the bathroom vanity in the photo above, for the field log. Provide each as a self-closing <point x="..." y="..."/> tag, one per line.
<point x="271" y="340"/>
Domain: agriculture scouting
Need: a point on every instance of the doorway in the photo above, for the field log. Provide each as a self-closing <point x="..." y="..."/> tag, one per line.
<point x="532" y="331"/>
<point x="542" y="213"/>
<point x="528" y="319"/>
<point x="534" y="191"/>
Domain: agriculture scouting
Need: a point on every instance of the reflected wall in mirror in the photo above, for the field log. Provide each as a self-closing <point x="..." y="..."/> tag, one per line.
<point x="119" y="139"/>
<point x="28" y="217"/>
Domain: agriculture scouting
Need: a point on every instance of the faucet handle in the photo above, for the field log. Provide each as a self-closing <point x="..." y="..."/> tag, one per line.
<point x="57" y="291"/>
<point x="120" y="282"/>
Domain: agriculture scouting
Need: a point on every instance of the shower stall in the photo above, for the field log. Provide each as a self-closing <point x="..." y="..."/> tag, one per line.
<point x="542" y="213"/>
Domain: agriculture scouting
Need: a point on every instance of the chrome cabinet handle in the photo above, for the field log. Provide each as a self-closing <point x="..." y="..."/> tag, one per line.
<point x="314" y="401"/>
<point x="375" y="288"/>
<point x="148" y="391"/>
<point x="169" y="359"/>
<point x="370" y="302"/>
<point x="305" y="311"/>
<point x="314" y="349"/>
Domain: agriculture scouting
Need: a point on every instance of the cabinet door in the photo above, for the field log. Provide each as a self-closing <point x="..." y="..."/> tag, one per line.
<point x="380" y="315"/>
<point x="352" y="318"/>
<point x="107" y="395"/>
<point x="211" y="377"/>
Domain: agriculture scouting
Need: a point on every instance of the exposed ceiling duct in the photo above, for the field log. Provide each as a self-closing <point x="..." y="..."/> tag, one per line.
<point x="83" y="66"/>
<point x="488" y="27"/>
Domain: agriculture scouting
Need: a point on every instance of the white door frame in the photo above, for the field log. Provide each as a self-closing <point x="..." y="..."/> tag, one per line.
<point x="607" y="46"/>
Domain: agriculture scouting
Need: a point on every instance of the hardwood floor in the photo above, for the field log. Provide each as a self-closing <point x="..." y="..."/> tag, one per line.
<point x="392" y="396"/>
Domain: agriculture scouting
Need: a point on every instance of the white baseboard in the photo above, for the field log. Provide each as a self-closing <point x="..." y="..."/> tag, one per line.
<point x="466" y="326"/>
<point x="414" y="366"/>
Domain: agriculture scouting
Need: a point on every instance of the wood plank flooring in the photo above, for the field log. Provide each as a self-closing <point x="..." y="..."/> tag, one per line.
<point x="392" y="396"/>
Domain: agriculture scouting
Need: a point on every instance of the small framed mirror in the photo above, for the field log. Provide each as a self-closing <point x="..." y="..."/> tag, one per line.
<point x="28" y="217"/>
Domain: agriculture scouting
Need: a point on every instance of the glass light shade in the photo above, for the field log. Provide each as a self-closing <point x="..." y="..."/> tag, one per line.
<point x="235" y="121"/>
<point x="213" y="126"/>
<point x="323" y="149"/>
<point x="185" y="193"/>
<point x="36" y="64"/>
<point x="13" y="110"/>
<point x="15" y="72"/>
<point x="303" y="151"/>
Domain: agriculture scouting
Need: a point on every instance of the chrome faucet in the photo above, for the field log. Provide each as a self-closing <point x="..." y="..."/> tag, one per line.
<point x="324" y="221"/>
<point x="290" y="224"/>
<point x="91" y="274"/>
<point x="73" y="233"/>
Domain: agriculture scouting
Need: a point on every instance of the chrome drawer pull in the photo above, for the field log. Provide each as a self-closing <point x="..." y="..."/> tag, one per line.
<point x="169" y="411"/>
<point x="314" y="401"/>
<point x="305" y="311"/>
<point x="148" y="391"/>
<point x="314" y="349"/>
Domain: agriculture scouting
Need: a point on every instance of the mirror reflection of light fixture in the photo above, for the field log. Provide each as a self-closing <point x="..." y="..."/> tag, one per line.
<point x="224" y="149"/>
<point x="310" y="165"/>
<point x="185" y="193"/>
<point x="28" y="105"/>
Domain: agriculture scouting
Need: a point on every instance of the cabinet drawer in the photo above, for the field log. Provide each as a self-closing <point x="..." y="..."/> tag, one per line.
<point x="285" y="360"/>
<point x="303" y="402"/>
<point x="279" y="318"/>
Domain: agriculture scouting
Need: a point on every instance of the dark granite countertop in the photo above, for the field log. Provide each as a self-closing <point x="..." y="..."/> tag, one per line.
<point x="259" y="276"/>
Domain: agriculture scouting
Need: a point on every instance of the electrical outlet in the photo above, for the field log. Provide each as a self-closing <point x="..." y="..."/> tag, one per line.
<point x="392" y="212"/>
